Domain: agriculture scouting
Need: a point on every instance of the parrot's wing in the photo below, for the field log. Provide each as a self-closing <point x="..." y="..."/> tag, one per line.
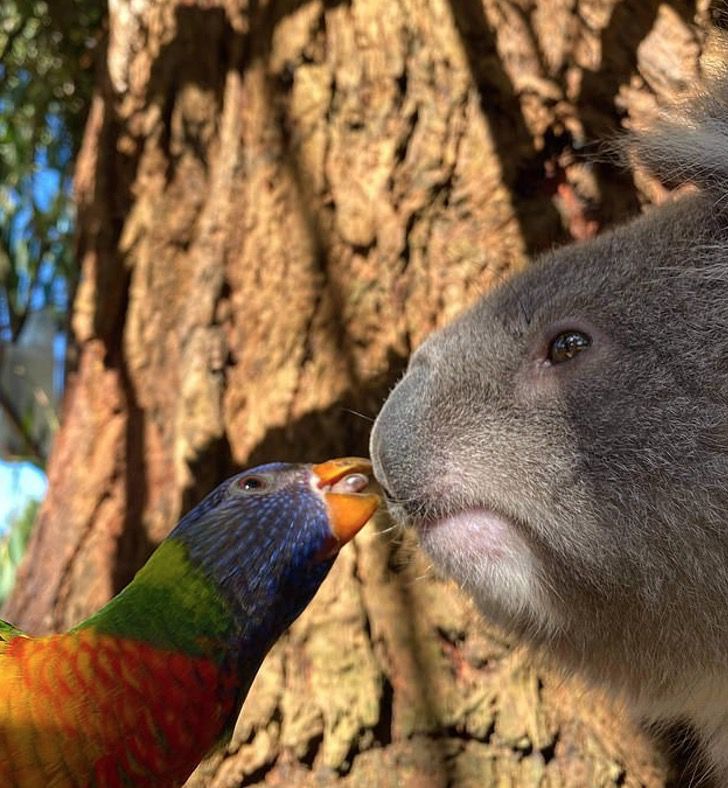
<point x="7" y="633"/>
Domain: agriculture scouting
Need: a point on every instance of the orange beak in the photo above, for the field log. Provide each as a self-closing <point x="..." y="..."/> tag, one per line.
<point x="348" y="511"/>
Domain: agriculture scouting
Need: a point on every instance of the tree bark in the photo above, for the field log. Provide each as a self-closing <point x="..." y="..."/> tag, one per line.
<point x="277" y="201"/>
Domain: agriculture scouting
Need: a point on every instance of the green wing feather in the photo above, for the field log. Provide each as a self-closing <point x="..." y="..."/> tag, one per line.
<point x="8" y="632"/>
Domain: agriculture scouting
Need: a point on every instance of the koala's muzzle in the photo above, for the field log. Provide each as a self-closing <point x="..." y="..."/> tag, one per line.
<point x="398" y="444"/>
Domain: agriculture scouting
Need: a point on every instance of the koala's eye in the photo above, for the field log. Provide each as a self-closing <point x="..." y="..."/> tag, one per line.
<point x="566" y="345"/>
<point x="252" y="484"/>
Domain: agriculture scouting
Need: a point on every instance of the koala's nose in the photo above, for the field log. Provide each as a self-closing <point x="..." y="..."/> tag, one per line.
<point x="395" y="443"/>
<point x="380" y="448"/>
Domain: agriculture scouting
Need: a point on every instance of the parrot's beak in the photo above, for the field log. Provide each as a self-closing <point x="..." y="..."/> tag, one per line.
<point x="343" y="482"/>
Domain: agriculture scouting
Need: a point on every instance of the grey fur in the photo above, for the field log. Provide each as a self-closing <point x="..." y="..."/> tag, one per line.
<point x="588" y="500"/>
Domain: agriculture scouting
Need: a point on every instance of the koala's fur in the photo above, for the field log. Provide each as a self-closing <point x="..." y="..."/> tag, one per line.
<point x="584" y="505"/>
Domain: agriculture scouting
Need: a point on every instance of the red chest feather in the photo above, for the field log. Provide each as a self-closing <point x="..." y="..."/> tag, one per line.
<point x="85" y="708"/>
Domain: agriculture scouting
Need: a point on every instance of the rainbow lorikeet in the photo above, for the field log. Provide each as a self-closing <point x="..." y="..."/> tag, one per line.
<point x="141" y="691"/>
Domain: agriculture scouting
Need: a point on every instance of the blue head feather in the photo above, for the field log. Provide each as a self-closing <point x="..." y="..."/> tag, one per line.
<point x="259" y="538"/>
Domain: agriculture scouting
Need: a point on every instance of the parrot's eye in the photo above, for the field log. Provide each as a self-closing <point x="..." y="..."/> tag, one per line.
<point x="566" y="345"/>
<point x="252" y="484"/>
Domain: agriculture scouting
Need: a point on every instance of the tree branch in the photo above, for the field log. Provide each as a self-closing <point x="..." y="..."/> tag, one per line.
<point x="34" y="449"/>
<point x="22" y="317"/>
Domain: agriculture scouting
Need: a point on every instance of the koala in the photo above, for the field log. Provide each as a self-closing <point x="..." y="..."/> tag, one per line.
<point x="562" y="447"/>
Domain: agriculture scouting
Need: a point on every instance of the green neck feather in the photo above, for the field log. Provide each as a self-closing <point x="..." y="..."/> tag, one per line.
<point x="8" y="632"/>
<point x="170" y="604"/>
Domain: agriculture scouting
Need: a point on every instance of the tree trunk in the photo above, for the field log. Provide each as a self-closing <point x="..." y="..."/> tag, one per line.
<point x="277" y="201"/>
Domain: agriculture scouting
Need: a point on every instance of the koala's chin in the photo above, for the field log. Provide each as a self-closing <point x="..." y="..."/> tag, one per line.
<point x="485" y="555"/>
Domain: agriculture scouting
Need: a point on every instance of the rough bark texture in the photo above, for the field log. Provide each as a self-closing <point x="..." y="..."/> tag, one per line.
<point x="277" y="202"/>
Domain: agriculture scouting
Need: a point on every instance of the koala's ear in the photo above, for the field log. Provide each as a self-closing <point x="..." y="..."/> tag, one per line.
<point x="689" y="143"/>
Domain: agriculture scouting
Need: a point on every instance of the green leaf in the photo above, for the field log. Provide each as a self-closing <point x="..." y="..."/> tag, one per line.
<point x="13" y="546"/>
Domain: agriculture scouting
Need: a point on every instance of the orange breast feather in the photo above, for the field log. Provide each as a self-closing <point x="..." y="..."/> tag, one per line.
<point x="84" y="708"/>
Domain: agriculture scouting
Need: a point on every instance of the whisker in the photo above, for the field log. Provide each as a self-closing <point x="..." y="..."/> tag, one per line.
<point x="370" y="419"/>
<point x="394" y="527"/>
<point x="425" y="575"/>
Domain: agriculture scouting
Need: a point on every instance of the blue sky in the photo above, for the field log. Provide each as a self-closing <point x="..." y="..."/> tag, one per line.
<point x="19" y="482"/>
<point x="22" y="481"/>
